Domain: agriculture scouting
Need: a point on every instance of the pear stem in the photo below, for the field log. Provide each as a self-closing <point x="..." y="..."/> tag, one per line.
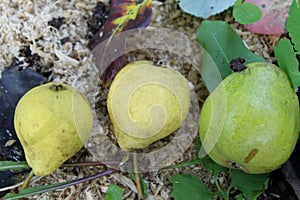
<point x="27" y="181"/>
<point x="137" y="177"/>
<point x="237" y="65"/>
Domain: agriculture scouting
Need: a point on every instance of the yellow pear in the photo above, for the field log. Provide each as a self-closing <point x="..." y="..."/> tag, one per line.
<point x="52" y="121"/>
<point x="147" y="103"/>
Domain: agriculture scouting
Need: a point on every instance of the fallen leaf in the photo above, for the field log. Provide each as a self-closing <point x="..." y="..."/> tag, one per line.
<point x="15" y="82"/>
<point x="246" y="13"/>
<point x="223" y="44"/>
<point x="204" y="8"/>
<point x="108" y="45"/>
<point x="274" y="14"/>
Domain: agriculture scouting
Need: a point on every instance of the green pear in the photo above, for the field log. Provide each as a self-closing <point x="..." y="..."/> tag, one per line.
<point x="52" y="121"/>
<point x="257" y="115"/>
<point x="146" y="103"/>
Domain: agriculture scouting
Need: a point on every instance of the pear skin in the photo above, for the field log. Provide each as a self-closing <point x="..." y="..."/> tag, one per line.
<point x="52" y="121"/>
<point x="261" y="123"/>
<point x="146" y="103"/>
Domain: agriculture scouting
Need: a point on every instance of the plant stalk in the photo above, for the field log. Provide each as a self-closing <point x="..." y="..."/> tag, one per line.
<point x="27" y="181"/>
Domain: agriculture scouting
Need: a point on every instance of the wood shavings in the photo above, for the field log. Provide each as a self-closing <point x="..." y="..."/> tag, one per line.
<point x="64" y="51"/>
<point x="64" y="58"/>
<point x="9" y="143"/>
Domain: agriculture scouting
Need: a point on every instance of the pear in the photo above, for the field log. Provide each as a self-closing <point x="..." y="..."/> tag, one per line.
<point x="52" y="122"/>
<point x="261" y="119"/>
<point x="146" y="103"/>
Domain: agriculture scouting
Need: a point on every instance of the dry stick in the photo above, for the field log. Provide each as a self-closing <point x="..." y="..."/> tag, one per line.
<point x="88" y="164"/>
<point x="137" y="177"/>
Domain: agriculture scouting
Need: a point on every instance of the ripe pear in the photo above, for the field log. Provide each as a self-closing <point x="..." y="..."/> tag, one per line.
<point x="146" y="103"/>
<point x="261" y="119"/>
<point x="52" y="121"/>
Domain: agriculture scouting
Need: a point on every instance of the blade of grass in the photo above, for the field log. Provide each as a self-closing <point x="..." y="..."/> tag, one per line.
<point x="47" y="188"/>
<point x="10" y="165"/>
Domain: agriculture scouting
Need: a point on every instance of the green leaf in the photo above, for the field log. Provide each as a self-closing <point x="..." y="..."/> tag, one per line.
<point x="189" y="187"/>
<point x="210" y="165"/>
<point x="293" y="24"/>
<point x="240" y="197"/>
<point x="142" y="181"/>
<point x="246" y="13"/>
<point x="223" y="44"/>
<point x="252" y="185"/>
<point x="144" y="187"/>
<point x="287" y="61"/>
<point x="204" y="8"/>
<point x="10" y="165"/>
<point x="114" y="192"/>
<point x="238" y="2"/>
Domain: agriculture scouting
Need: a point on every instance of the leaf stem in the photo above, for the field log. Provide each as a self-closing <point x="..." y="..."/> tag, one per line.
<point x="220" y="191"/>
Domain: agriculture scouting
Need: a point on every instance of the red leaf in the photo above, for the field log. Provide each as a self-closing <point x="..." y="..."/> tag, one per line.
<point x="108" y="45"/>
<point x="274" y="14"/>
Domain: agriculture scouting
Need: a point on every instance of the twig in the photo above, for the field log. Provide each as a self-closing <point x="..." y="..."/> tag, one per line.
<point x="137" y="177"/>
<point x="84" y="164"/>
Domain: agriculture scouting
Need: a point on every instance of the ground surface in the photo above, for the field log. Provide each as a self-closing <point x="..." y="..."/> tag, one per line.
<point x="56" y="33"/>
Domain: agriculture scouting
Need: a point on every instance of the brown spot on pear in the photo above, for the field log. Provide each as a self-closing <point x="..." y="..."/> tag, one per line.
<point x="251" y="155"/>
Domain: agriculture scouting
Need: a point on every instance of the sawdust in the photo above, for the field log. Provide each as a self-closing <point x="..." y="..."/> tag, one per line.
<point x="63" y="53"/>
